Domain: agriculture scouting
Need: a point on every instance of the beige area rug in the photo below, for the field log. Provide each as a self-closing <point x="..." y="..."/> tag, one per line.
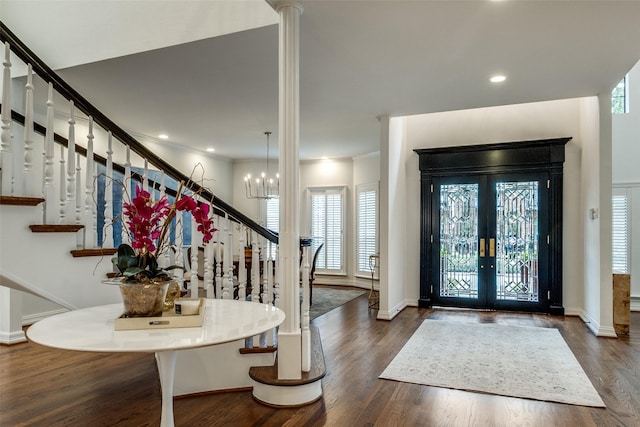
<point x="528" y="362"/>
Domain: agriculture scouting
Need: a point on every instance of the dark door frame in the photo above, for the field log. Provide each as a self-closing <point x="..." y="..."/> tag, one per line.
<point x="545" y="155"/>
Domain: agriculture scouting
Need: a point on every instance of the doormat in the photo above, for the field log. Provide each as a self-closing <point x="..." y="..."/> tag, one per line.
<point x="527" y="362"/>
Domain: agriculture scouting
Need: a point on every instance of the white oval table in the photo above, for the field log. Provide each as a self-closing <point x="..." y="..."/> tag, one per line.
<point x="92" y="329"/>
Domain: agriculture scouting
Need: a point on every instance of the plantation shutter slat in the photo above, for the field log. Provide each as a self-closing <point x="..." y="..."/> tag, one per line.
<point x="367" y="228"/>
<point x="327" y="212"/>
<point x="620" y="234"/>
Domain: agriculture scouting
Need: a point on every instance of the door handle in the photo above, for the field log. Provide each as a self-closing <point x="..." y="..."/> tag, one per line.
<point x="492" y="247"/>
<point x="482" y="248"/>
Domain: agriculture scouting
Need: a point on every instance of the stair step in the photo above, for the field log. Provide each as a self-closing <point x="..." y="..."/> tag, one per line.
<point x="79" y="253"/>
<point x="20" y="201"/>
<point x="269" y="374"/>
<point x="55" y="228"/>
<point x="255" y="350"/>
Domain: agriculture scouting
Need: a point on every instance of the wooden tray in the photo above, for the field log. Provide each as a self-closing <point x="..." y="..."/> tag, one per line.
<point x="168" y="320"/>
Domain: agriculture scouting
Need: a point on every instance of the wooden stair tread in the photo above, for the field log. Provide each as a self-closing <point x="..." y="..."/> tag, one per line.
<point x="258" y="350"/>
<point x="79" y="253"/>
<point x="20" y="201"/>
<point x="269" y="374"/>
<point x="55" y="228"/>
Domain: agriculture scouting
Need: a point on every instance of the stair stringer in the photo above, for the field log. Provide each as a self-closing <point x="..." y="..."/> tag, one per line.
<point x="42" y="264"/>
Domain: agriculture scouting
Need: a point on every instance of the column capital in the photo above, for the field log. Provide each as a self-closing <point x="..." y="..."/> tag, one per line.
<point x="281" y="4"/>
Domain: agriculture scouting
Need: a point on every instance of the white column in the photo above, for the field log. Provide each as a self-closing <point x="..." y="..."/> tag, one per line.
<point x="11" y="316"/>
<point x="289" y="335"/>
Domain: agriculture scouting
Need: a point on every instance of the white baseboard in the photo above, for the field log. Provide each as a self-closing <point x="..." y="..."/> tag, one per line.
<point x="635" y="303"/>
<point x="12" y="338"/>
<point x="30" y="319"/>
<point x="595" y="327"/>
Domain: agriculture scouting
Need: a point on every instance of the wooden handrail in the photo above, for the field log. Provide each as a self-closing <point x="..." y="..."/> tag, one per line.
<point x="62" y="87"/>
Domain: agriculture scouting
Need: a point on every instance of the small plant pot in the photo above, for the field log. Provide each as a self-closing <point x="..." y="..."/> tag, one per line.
<point x="143" y="299"/>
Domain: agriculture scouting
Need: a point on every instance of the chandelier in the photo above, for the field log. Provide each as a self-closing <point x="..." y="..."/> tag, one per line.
<point x="264" y="187"/>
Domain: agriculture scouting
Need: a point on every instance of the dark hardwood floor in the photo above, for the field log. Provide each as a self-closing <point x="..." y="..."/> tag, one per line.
<point x="40" y="386"/>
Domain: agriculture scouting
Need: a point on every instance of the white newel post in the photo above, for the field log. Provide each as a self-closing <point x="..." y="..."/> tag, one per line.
<point x="5" y="134"/>
<point x="289" y="335"/>
<point x="49" y="188"/>
<point x="89" y="204"/>
<point x="107" y="230"/>
<point x="71" y="167"/>
<point x="28" y="187"/>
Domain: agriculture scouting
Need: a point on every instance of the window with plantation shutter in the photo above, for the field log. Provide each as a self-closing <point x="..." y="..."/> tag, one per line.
<point x="620" y="231"/>
<point x="327" y="223"/>
<point x="367" y="226"/>
<point x="272" y="221"/>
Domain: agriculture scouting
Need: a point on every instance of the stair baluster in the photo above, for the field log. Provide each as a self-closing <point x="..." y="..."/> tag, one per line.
<point x="89" y="185"/>
<point x="107" y="229"/>
<point x="71" y="167"/>
<point x="49" y="189"/>
<point x="27" y="175"/>
<point x="5" y="133"/>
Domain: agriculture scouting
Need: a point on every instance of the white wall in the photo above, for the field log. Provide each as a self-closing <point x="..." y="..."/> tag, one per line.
<point x="329" y="173"/>
<point x="503" y="124"/>
<point x="214" y="173"/>
<point x="626" y="171"/>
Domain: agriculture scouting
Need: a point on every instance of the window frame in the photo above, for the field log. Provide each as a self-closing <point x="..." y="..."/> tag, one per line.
<point x="366" y="188"/>
<point x="270" y="223"/>
<point x="616" y="238"/>
<point x="325" y="190"/>
<point x="624" y="96"/>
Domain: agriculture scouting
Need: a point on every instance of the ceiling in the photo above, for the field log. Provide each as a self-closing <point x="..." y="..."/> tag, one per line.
<point x="206" y="72"/>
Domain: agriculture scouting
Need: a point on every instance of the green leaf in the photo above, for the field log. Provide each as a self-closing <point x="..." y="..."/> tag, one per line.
<point x="125" y="258"/>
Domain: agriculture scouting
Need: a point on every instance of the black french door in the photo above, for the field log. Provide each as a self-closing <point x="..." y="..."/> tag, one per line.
<point x="489" y="246"/>
<point x="491" y="226"/>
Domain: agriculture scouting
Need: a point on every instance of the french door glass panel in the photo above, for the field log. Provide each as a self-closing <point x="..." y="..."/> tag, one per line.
<point x="517" y="235"/>
<point x="458" y="240"/>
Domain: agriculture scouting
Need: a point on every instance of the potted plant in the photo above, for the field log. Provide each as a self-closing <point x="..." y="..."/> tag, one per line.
<point x="143" y="282"/>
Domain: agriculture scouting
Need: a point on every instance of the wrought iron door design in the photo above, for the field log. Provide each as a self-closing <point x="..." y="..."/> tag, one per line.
<point x="487" y="247"/>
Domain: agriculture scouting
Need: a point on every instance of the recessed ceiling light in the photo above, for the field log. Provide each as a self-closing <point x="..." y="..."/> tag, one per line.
<point x="497" y="79"/>
<point x="211" y="149"/>
<point x="163" y="136"/>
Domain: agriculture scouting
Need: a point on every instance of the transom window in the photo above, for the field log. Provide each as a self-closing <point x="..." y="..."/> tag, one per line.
<point x="620" y="97"/>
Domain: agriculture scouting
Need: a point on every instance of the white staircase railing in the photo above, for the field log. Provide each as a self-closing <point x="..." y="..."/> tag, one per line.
<point x="28" y="170"/>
